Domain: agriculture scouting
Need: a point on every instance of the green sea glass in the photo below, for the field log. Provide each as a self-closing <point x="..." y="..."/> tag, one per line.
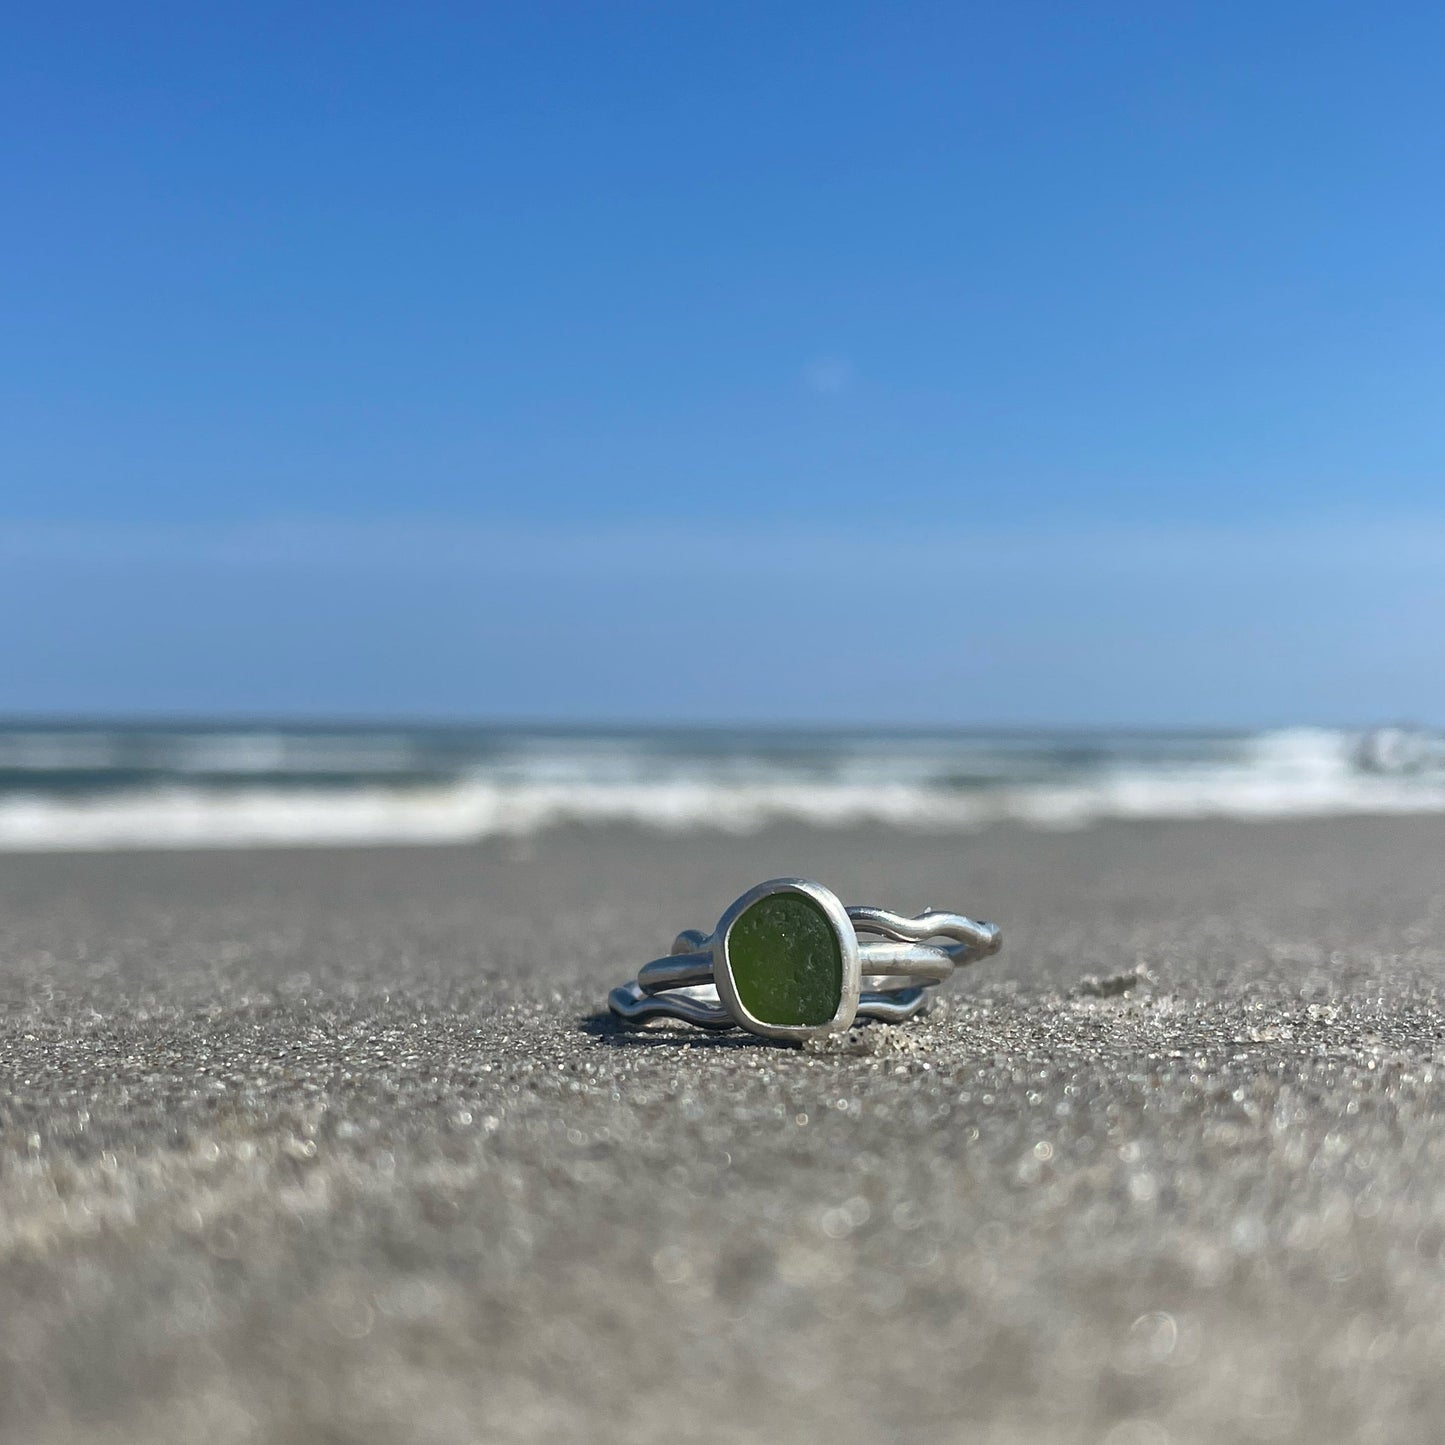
<point x="787" y="962"/>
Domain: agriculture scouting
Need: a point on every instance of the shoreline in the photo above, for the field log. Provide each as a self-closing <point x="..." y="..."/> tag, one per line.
<point x="221" y="787"/>
<point x="194" y="823"/>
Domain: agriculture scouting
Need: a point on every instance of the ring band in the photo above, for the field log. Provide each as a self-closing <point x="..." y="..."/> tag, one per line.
<point x="786" y="962"/>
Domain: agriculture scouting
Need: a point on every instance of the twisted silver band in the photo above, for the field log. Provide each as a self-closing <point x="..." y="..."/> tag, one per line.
<point x="883" y="980"/>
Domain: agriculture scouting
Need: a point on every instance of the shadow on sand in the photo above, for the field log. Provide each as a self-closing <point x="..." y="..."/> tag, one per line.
<point x="608" y="1029"/>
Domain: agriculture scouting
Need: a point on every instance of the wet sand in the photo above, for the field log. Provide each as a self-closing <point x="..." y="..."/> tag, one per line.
<point x="336" y="1146"/>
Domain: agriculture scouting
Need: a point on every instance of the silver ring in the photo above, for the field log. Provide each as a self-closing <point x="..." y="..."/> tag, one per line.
<point x="785" y="962"/>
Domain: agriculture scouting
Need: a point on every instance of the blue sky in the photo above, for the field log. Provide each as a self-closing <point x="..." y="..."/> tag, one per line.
<point x="567" y="361"/>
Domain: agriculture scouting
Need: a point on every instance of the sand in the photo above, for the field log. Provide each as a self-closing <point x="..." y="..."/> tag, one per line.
<point x="335" y="1146"/>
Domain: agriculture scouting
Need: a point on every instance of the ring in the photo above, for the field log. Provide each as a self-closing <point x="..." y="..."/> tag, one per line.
<point x="785" y="962"/>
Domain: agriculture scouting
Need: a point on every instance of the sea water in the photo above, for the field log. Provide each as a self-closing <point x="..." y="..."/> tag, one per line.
<point x="91" y="786"/>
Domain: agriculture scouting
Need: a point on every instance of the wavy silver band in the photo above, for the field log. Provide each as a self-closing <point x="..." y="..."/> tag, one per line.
<point x="700" y="1006"/>
<point x="884" y="980"/>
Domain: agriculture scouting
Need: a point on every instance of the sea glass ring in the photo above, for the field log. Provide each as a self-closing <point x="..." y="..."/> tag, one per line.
<point x="786" y="962"/>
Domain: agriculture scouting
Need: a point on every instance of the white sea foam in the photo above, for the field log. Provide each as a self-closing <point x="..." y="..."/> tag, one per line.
<point x="552" y="783"/>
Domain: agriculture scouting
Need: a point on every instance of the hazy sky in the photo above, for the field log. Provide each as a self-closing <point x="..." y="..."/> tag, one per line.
<point x="1022" y="362"/>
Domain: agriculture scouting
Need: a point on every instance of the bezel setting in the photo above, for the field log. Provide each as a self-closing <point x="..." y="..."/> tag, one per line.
<point x="843" y="931"/>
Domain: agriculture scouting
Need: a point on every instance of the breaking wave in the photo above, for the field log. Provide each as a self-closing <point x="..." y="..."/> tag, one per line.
<point x="97" y="788"/>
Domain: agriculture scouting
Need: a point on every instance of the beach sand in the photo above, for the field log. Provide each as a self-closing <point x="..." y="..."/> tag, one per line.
<point x="336" y="1146"/>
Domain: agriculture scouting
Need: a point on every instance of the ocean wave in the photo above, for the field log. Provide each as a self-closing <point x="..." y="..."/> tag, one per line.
<point x="1301" y="773"/>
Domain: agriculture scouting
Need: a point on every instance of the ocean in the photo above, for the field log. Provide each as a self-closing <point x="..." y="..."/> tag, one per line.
<point x="217" y="785"/>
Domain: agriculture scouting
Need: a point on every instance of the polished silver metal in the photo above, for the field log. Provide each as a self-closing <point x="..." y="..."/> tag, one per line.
<point x="888" y="980"/>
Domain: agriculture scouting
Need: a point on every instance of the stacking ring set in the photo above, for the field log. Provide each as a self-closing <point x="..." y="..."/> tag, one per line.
<point x="786" y="961"/>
